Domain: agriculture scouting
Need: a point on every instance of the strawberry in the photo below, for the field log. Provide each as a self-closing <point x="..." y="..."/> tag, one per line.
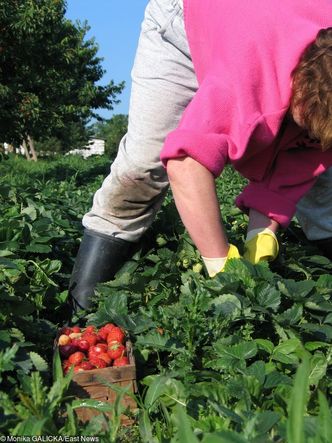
<point x="76" y="329"/>
<point x="105" y="356"/>
<point x="75" y="335"/>
<point x="116" y="350"/>
<point x="65" y="366"/>
<point x="97" y="362"/>
<point x="83" y="345"/>
<point x="90" y="329"/>
<point x="75" y="342"/>
<point x="90" y="337"/>
<point x="109" y="327"/>
<point x="116" y="334"/>
<point x="67" y="350"/>
<point x="122" y="361"/>
<point x="66" y="330"/>
<point x="103" y="333"/>
<point x="76" y="358"/>
<point x="78" y="368"/>
<point x="64" y="340"/>
<point x="86" y="365"/>
<point x="98" y="349"/>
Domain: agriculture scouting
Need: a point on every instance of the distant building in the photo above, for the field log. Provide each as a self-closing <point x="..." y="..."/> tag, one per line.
<point x="10" y="148"/>
<point x="95" y="146"/>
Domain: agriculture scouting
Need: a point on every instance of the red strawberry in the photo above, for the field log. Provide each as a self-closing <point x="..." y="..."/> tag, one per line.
<point x="78" y="368"/>
<point x="76" y="329"/>
<point x="65" y="366"/>
<point x="90" y="329"/>
<point x="66" y="330"/>
<point x="122" y="361"/>
<point x="76" y="358"/>
<point x="86" y="365"/>
<point x="103" y="333"/>
<point x="75" y="342"/>
<point x="109" y="326"/>
<point x="98" y="348"/>
<point x="90" y="337"/>
<point x="105" y="356"/>
<point x="116" y="350"/>
<point x="83" y="345"/>
<point x="116" y="334"/>
<point x="97" y="362"/>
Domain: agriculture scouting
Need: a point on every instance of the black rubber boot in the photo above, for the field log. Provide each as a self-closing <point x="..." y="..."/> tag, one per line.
<point x="98" y="260"/>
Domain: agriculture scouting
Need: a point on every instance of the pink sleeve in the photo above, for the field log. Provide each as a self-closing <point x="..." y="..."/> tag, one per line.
<point x="201" y="134"/>
<point x="293" y="174"/>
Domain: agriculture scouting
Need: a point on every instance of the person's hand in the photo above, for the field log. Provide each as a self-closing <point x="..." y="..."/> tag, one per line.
<point x="216" y="265"/>
<point x="261" y="245"/>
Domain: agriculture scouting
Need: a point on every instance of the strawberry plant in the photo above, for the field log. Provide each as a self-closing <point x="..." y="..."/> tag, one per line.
<point x="243" y="357"/>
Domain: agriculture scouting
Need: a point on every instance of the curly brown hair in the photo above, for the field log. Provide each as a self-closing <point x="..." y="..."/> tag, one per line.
<point x="312" y="88"/>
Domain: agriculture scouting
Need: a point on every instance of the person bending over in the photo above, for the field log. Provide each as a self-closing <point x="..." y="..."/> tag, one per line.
<point x="216" y="82"/>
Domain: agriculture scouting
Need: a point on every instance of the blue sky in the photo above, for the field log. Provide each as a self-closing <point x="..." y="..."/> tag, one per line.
<point x="115" y="24"/>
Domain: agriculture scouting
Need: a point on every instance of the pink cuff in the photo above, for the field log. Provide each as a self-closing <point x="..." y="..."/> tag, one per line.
<point x="269" y="203"/>
<point x="208" y="149"/>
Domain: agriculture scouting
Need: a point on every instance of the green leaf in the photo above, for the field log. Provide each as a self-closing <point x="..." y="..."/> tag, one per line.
<point x="275" y="379"/>
<point x="184" y="432"/>
<point x="324" y="419"/>
<point x="5" y="253"/>
<point x="57" y="366"/>
<point x="298" y="403"/>
<point x="265" y="421"/>
<point x="100" y="406"/>
<point x="264" y="344"/>
<point x="227" y="305"/>
<point x="288" y="347"/>
<point x="39" y="363"/>
<point x="324" y="281"/>
<point x="155" y="390"/>
<point x="314" y="345"/>
<point x="241" y="351"/>
<point x="31" y="212"/>
<point x="31" y="426"/>
<point x="291" y="316"/>
<point x="267" y="296"/>
<point x="257" y="370"/>
<point x="224" y="437"/>
<point x="38" y="248"/>
<point x="318" y="367"/>
<point x="145" y="427"/>
<point x="296" y="290"/>
<point x="320" y="331"/>
<point x="156" y="341"/>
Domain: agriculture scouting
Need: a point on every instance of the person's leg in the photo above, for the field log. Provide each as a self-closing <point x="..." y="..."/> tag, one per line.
<point x="314" y="213"/>
<point x="163" y="83"/>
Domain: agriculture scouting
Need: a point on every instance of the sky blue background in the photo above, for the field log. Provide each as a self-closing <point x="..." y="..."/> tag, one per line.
<point x="115" y="24"/>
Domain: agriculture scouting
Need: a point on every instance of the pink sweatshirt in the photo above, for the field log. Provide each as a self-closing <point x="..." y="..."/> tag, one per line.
<point x="244" y="52"/>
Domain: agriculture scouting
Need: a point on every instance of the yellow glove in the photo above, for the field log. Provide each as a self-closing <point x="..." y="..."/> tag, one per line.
<point x="215" y="265"/>
<point x="261" y="244"/>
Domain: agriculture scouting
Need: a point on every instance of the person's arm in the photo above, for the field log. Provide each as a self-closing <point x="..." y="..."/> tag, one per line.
<point x="194" y="192"/>
<point x="294" y="172"/>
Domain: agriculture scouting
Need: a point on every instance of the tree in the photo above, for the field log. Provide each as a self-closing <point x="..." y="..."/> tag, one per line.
<point x="48" y="73"/>
<point x="112" y="131"/>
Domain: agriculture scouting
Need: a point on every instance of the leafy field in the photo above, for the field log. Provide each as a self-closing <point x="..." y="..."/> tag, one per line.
<point x="244" y="357"/>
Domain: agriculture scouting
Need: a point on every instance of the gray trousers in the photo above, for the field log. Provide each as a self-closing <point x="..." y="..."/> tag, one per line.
<point x="163" y="83"/>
